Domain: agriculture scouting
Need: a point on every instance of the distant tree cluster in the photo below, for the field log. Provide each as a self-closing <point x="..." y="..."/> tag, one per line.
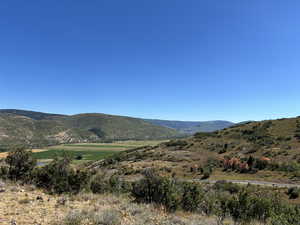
<point x="250" y="164"/>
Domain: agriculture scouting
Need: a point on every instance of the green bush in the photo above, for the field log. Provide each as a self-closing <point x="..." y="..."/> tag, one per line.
<point x="227" y="186"/>
<point x="208" y="203"/>
<point x="180" y="143"/>
<point x="114" y="184"/>
<point x="285" y="215"/>
<point x="79" y="157"/>
<point x="21" y="163"/>
<point x="160" y="190"/>
<point x="245" y="207"/>
<point x="207" y="171"/>
<point x="60" y="177"/>
<point x="260" y="164"/>
<point x="4" y="172"/>
<point x="200" y="135"/>
<point x="193" y="194"/>
<point x="289" y="167"/>
<point x="293" y="192"/>
<point x="220" y="207"/>
<point x="117" y="185"/>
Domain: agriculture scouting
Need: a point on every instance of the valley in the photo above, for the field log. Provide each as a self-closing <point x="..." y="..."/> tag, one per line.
<point x="83" y="153"/>
<point x="207" y="176"/>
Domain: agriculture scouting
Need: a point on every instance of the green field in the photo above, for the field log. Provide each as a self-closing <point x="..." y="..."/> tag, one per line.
<point x="88" y="152"/>
<point x="99" y="146"/>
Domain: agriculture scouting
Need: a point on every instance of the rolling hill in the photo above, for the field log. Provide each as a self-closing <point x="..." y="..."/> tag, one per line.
<point x="266" y="150"/>
<point x="41" y="129"/>
<point x="191" y="127"/>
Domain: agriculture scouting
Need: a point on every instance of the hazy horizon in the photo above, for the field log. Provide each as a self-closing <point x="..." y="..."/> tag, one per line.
<point x="70" y="114"/>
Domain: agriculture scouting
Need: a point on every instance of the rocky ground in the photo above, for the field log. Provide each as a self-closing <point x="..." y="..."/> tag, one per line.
<point x="26" y="205"/>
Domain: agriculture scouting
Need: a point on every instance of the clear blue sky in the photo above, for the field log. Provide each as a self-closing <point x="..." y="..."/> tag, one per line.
<point x="169" y="59"/>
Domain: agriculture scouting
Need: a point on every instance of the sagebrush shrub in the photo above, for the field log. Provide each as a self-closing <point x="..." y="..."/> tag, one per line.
<point x="21" y="163"/>
<point x="155" y="189"/>
<point x="60" y="177"/>
<point x="100" y="184"/>
<point x="4" y="172"/>
<point x="192" y="196"/>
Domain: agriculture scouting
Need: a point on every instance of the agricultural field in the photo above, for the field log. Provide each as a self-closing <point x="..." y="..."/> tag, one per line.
<point x="82" y="152"/>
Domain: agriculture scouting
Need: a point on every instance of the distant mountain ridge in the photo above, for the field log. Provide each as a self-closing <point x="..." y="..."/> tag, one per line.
<point x="39" y="129"/>
<point x="31" y="114"/>
<point x="191" y="127"/>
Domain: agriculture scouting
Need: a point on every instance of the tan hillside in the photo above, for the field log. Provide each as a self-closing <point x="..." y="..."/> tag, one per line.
<point x="26" y="205"/>
<point x="275" y="143"/>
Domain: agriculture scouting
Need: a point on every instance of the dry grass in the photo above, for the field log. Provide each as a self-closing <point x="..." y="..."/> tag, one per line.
<point x="263" y="175"/>
<point x="273" y="139"/>
<point x="27" y="205"/>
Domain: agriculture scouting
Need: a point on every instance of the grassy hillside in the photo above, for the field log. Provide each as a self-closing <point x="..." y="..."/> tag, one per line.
<point x="266" y="150"/>
<point x="191" y="127"/>
<point x="32" y="114"/>
<point x="118" y="127"/>
<point x="41" y="129"/>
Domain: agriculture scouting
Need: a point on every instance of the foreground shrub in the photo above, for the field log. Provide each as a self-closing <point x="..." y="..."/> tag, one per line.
<point x="106" y="217"/>
<point x="21" y="163"/>
<point x="192" y="196"/>
<point x="220" y="207"/>
<point x="160" y="190"/>
<point x="245" y="207"/>
<point x="60" y="177"/>
<point x="285" y="215"/>
<point x="73" y="218"/>
<point x="99" y="184"/>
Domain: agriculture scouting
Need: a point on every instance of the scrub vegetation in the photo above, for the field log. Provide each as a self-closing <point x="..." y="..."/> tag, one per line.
<point x="224" y="202"/>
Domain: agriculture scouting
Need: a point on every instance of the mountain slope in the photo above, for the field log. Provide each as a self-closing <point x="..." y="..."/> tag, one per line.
<point x="191" y="127"/>
<point x="40" y="129"/>
<point x="32" y="114"/>
<point x="275" y="141"/>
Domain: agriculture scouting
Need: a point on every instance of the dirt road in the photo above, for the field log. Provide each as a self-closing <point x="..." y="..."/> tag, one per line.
<point x="253" y="182"/>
